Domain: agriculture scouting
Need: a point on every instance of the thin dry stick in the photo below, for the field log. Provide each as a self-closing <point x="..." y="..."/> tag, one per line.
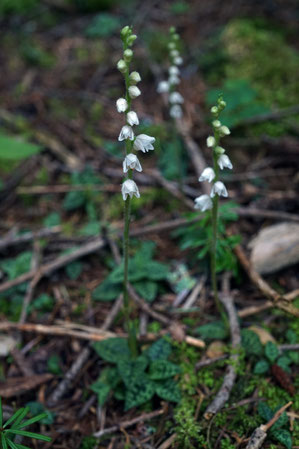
<point x="280" y="301"/>
<point x="260" y="433"/>
<point x="229" y="379"/>
<point x="125" y="424"/>
<point x="28" y="236"/>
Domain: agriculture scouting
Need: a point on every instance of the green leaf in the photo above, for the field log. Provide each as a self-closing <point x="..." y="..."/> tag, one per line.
<point x="16" y="149"/>
<point x="103" y="25"/>
<point x="251" y="343"/>
<point x="168" y="390"/>
<point x="264" y="411"/>
<point x="3" y="441"/>
<point x="102" y="390"/>
<point x="163" y="369"/>
<point x="16" y="417"/>
<point x="18" y="265"/>
<point x="53" y="363"/>
<point x="1" y="414"/>
<point x="160" y="350"/>
<point x="37" y="436"/>
<point x="139" y="392"/>
<point x="271" y="351"/>
<point x="212" y="331"/>
<point x="30" y="421"/>
<point x="283" y="436"/>
<point x="37" y="407"/>
<point x="261" y="367"/>
<point x="113" y="349"/>
<point x="11" y="444"/>
<point x="157" y="271"/>
<point x="106" y="291"/>
<point x="284" y="363"/>
<point x="74" y="200"/>
<point x="74" y="269"/>
<point x="146" y="289"/>
<point x="132" y="371"/>
<point x="282" y="421"/>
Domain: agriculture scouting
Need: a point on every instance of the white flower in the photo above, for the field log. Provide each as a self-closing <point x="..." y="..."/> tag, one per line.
<point x="144" y="143"/>
<point x="219" y="189"/>
<point x="126" y="133"/>
<point x="132" y="118"/>
<point x="173" y="70"/>
<point x="211" y="141"/>
<point x="130" y="188"/>
<point x="121" y="105"/>
<point x="174" y="53"/>
<point x="178" y="60"/>
<point x="174" y="79"/>
<point x="122" y="66"/>
<point x="176" y="97"/>
<point x="216" y="123"/>
<point x="207" y="175"/>
<point x="135" y="77"/>
<point x="203" y="202"/>
<point x="128" y="54"/>
<point x="163" y="87"/>
<point x="171" y="45"/>
<point x="176" y="111"/>
<point x="224" y="131"/>
<point x="224" y="161"/>
<point x="131" y="161"/>
<point x="134" y="91"/>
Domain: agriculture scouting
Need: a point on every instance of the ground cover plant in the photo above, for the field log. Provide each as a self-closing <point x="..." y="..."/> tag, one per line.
<point x="149" y="299"/>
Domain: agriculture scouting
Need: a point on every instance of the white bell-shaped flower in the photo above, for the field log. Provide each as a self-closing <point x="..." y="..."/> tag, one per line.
<point x="134" y="91"/>
<point x="176" y="97"/>
<point x="203" y="202"/>
<point x="163" y="87"/>
<point x="224" y="162"/>
<point x="178" y="60"/>
<point x="224" y="131"/>
<point x="173" y="70"/>
<point x="126" y="133"/>
<point x="129" y="187"/>
<point x="176" y="111"/>
<point x="131" y="161"/>
<point x="207" y="175"/>
<point x="174" y="79"/>
<point x="121" y="105"/>
<point x="132" y="118"/>
<point x="211" y="141"/>
<point x="219" y="189"/>
<point x="135" y="77"/>
<point x="144" y="143"/>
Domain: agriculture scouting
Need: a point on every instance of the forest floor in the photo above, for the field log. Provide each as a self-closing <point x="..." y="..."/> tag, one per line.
<point x="62" y="220"/>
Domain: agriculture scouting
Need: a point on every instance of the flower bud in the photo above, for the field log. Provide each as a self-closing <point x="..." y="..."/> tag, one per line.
<point x="135" y="77"/>
<point x="121" y="105"/>
<point x="122" y="66"/>
<point x="219" y="150"/>
<point x="128" y="54"/>
<point x="163" y="87"/>
<point x="221" y="104"/>
<point x="214" y="110"/>
<point x="171" y="45"/>
<point x="216" y="123"/>
<point x="131" y="39"/>
<point x="211" y="141"/>
<point x="125" y="31"/>
<point x="172" y="30"/>
<point x="224" y="131"/>
<point x="178" y="60"/>
<point x="134" y="91"/>
<point x="132" y="118"/>
<point x="174" y="53"/>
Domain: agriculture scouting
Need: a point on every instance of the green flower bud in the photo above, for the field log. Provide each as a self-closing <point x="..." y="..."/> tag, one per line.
<point x="131" y="39"/>
<point x="224" y="131"/>
<point x="214" y="110"/>
<point x="172" y="30"/>
<point x="122" y="66"/>
<point x="219" y="150"/>
<point x="216" y="123"/>
<point x="176" y="37"/>
<point x="221" y="104"/>
<point x="128" y="54"/>
<point x="124" y="32"/>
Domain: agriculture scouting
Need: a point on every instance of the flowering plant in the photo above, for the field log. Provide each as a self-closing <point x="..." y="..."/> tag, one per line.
<point x="143" y="143"/>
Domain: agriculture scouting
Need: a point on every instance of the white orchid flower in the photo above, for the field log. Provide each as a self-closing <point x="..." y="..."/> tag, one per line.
<point x="144" y="143"/>
<point x="129" y="187"/>
<point x="207" y="175"/>
<point x="121" y="105"/>
<point x="126" y="133"/>
<point x="131" y="161"/>
<point x="224" y="162"/>
<point x="132" y="118"/>
<point x="203" y="202"/>
<point x="219" y="189"/>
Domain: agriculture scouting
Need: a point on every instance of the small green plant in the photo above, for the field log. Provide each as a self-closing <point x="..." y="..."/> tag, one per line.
<point x="15" y="425"/>
<point x="280" y="430"/>
<point x="135" y="380"/>
<point x="211" y="202"/>
<point x="144" y="273"/>
<point x="143" y="143"/>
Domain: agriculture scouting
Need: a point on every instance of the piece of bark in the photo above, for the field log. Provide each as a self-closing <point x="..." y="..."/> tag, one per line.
<point x="275" y="247"/>
<point x="18" y="385"/>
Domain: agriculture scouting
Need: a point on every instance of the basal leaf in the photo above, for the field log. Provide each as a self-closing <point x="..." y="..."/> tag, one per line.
<point x="212" y="331"/>
<point x="16" y="149"/>
<point x="113" y="349"/>
<point x="139" y="392"/>
<point x="271" y="351"/>
<point x="157" y="270"/>
<point x="283" y="436"/>
<point x="251" y="343"/>
<point x="168" y="390"/>
<point x="131" y="371"/>
<point x="146" y="289"/>
<point x="163" y="369"/>
<point x="264" y="411"/>
<point x="261" y="367"/>
<point x="102" y="390"/>
<point x="160" y="350"/>
<point x="106" y="291"/>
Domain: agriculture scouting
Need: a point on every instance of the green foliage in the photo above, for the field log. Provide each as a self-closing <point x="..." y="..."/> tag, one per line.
<point x="179" y="7"/>
<point x="242" y="102"/>
<point x="36" y="408"/>
<point x="14" y="149"/>
<point x="77" y="199"/>
<point x="271" y="351"/>
<point x="173" y="160"/>
<point x="53" y="219"/>
<point x="43" y="303"/>
<point x="251" y="343"/>
<point x="136" y="381"/>
<point x="187" y="429"/>
<point x="279" y="431"/>
<point x="17" y="6"/>
<point x="88" y="443"/>
<point x="74" y="269"/>
<point x="16" y="266"/>
<point x="261" y="367"/>
<point x="15" y="425"/>
<point x="213" y="331"/>
<point x="103" y="25"/>
<point x="35" y="55"/>
<point x="198" y="236"/>
<point x="53" y="363"/>
<point x="144" y="274"/>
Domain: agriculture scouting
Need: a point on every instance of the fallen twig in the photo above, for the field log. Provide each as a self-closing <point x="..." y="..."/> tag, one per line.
<point x="260" y="433"/>
<point x="131" y="422"/>
<point x="229" y="379"/>
<point x="28" y="236"/>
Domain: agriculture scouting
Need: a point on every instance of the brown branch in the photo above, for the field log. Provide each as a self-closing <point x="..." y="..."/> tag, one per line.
<point x="223" y="394"/>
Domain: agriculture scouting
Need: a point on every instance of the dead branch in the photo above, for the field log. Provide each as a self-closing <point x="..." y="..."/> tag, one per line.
<point x="229" y="379"/>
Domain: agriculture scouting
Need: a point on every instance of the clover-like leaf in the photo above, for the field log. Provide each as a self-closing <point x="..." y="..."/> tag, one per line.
<point x="168" y="390"/>
<point x="131" y="371"/>
<point x="251" y="343"/>
<point x="139" y="392"/>
<point x="160" y="350"/>
<point x="113" y="349"/>
<point x="163" y="369"/>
